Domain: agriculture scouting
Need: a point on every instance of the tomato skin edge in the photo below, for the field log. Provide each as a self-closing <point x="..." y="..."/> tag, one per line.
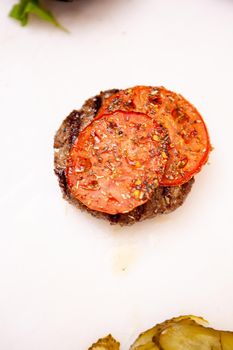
<point x="203" y="161"/>
<point x="190" y="175"/>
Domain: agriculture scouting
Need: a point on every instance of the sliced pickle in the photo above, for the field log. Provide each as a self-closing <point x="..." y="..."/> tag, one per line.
<point x="148" y="346"/>
<point x="189" y="337"/>
<point x="107" y="343"/>
<point x="144" y="338"/>
<point x="226" y="340"/>
<point x="151" y="334"/>
<point x="180" y="333"/>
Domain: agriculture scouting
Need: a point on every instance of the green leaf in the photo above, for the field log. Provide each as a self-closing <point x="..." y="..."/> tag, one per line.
<point x="18" y="12"/>
<point x="24" y="8"/>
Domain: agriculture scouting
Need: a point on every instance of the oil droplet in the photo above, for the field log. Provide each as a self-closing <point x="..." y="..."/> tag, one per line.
<point x="124" y="258"/>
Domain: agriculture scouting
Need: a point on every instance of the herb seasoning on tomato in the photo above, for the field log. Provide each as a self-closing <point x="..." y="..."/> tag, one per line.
<point x="189" y="140"/>
<point x="117" y="161"/>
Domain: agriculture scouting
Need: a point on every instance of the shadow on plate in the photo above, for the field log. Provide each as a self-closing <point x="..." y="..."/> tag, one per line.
<point x="84" y="11"/>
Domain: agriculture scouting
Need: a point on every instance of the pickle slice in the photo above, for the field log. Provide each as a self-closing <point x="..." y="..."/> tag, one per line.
<point x="180" y="333"/>
<point x="107" y="343"/>
<point x="226" y="340"/>
<point x="189" y="337"/>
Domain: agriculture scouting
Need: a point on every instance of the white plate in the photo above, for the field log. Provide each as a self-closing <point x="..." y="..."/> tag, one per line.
<point x="67" y="278"/>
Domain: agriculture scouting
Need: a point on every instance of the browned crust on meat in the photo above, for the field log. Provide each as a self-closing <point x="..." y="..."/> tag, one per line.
<point x="164" y="199"/>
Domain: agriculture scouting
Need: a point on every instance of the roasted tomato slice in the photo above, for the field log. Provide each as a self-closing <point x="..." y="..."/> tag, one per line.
<point x="117" y="161"/>
<point x="190" y="144"/>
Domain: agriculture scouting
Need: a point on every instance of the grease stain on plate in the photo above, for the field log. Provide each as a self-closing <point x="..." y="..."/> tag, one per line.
<point x="124" y="258"/>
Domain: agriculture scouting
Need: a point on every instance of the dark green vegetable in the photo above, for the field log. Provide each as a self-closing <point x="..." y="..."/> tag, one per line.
<point x="24" y="8"/>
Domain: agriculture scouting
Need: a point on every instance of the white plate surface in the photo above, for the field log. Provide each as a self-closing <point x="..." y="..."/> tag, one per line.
<point x="67" y="278"/>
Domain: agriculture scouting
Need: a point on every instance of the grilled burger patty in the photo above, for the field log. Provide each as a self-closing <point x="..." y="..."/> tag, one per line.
<point x="163" y="199"/>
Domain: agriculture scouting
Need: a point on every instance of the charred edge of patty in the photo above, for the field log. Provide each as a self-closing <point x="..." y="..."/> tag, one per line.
<point x="164" y="199"/>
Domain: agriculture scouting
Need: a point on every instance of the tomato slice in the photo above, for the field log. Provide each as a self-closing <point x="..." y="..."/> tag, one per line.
<point x="117" y="162"/>
<point x="189" y="140"/>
